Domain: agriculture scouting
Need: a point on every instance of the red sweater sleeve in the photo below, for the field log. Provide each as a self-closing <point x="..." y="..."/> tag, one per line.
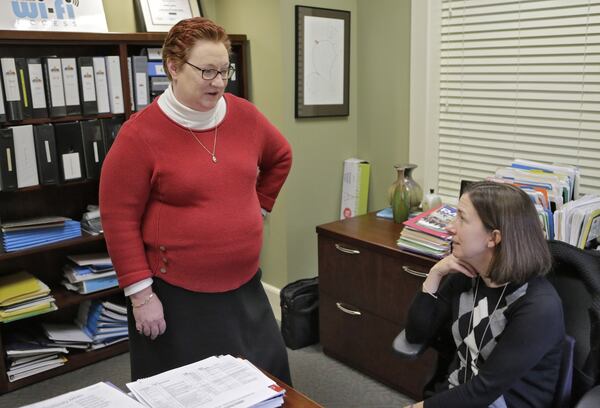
<point x="125" y="184"/>
<point x="274" y="165"/>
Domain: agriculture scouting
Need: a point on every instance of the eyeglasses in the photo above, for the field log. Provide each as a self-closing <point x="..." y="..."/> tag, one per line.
<point x="210" y="73"/>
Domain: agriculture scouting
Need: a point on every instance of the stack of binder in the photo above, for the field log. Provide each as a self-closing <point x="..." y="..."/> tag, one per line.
<point x="29" y="352"/>
<point x="426" y="233"/>
<point x="23" y="295"/>
<point x="89" y="273"/>
<point x="104" y="322"/>
<point x="33" y="232"/>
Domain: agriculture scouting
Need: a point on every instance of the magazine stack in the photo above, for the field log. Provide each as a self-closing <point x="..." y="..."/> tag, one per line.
<point x="29" y="352"/>
<point x="89" y="273"/>
<point x="426" y="234"/>
<point x="104" y="322"/>
<point x="23" y="295"/>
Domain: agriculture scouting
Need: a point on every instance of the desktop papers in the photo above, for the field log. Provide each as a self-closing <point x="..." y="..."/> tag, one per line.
<point x="214" y="382"/>
<point x="97" y="395"/>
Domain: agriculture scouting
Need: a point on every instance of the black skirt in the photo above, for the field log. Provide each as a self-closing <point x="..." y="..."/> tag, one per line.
<point x="199" y="325"/>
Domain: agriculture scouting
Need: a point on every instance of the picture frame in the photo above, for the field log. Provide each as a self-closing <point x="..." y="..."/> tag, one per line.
<point x="322" y="62"/>
<point x="161" y="15"/>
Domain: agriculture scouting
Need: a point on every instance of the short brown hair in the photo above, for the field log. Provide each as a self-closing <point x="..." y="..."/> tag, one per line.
<point x="523" y="251"/>
<point x="183" y="35"/>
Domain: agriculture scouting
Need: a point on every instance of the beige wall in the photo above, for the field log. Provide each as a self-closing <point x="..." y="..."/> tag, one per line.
<point x="376" y="129"/>
<point x="384" y="90"/>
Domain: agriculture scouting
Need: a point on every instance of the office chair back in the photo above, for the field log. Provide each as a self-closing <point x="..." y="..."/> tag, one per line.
<point x="576" y="277"/>
<point x="564" y="386"/>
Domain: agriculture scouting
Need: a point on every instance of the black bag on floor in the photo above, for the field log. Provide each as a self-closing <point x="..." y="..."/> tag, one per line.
<point x="300" y="313"/>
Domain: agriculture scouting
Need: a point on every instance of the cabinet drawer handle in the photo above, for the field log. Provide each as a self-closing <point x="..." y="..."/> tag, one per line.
<point x="347" y="311"/>
<point x="413" y="272"/>
<point x="346" y="250"/>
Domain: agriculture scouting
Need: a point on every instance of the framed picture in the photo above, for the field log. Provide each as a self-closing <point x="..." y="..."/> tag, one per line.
<point x="161" y="15"/>
<point x="322" y="62"/>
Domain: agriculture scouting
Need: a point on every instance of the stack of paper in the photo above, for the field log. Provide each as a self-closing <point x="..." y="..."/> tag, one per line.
<point x="549" y="187"/>
<point x="89" y="273"/>
<point x="426" y="234"/>
<point x="23" y="295"/>
<point x="578" y="222"/>
<point x="29" y="353"/>
<point x="34" y="232"/>
<point x="98" y="395"/>
<point x="104" y="322"/>
<point x="67" y="335"/>
<point x="222" y="381"/>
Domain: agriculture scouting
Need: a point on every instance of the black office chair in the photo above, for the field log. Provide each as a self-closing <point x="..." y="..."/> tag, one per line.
<point x="576" y="277"/>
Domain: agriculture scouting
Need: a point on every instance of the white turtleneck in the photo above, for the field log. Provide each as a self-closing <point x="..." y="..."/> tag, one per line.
<point x="188" y="117"/>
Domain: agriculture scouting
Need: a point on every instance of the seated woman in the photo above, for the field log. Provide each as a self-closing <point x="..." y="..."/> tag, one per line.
<point x="506" y="319"/>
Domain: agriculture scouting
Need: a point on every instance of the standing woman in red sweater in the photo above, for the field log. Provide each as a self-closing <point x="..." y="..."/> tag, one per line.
<point x="182" y="196"/>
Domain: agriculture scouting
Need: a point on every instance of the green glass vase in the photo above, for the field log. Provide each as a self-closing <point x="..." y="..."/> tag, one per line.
<point x="400" y="198"/>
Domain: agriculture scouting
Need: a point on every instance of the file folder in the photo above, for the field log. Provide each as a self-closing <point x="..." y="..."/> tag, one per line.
<point x="71" y="84"/>
<point x="87" y="85"/>
<point x="93" y="147"/>
<point x="115" y="85"/>
<point x="37" y="87"/>
<point x="140" y="81"/>
<point x="110" y="129"/>
<point x="8" y="170"/>
<point x="26" y="163"/>
<point x="23" y="77"/>
<point x="45" y="152"/>
<point x="102" y="97"/>
<point x="55" y="90"/>
<point x="12" y="91"/>
<point x="69" y="150"/>
<point x="156" y="68"/>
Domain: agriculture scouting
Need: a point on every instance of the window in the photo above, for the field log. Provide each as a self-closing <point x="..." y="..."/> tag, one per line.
<point x="504" y="79"/>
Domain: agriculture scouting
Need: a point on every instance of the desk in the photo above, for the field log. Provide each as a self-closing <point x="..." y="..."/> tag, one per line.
<point x="293" y="398"/>
<point x="366" y="284"/>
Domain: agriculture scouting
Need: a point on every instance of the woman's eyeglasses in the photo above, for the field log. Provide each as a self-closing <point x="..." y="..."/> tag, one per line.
<point x="210" y="73"/>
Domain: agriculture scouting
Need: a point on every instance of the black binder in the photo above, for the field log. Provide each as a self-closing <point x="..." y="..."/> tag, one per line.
<point x="12" y="89"/>
<point x="87" y="85"/>
<point x="71" y="84"/>
<point x="8" y="164"/>
<point x="37" y="87"/>
<point x="45" y="153"/>
<point x="110" y="129"/>
<point x="69" y="150"/>
<point x="93" y="147"/>
<point x="55" y="92"/>
<point x="24" y="86"/>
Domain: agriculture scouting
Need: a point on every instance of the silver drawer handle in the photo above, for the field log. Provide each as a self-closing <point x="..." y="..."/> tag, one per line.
<point x="346" y="250"/>
<point x="347" y="311"/>
<point x="413" y="272"/>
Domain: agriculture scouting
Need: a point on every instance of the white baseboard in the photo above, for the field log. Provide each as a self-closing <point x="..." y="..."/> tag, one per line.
<point x="273" y="296"/>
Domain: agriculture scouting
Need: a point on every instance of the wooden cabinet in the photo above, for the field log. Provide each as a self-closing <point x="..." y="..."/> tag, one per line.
<point x="366" y="285"/>
<point x="70" y="199"/>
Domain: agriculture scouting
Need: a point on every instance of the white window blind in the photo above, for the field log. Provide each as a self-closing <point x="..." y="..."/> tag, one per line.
<point x="518" y="79"/>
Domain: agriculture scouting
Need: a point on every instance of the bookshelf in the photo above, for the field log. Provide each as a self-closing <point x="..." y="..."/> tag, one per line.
<point x="71" y="198"/>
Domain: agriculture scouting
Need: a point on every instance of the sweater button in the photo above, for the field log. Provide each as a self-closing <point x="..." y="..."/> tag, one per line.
<point x="165" y="260"/>
<point x="162" y="248"/>
<point x="163" y="269"/>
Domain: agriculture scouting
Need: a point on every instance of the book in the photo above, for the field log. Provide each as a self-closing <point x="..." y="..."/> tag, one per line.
<point x="71" y="85"/>
<point x="434" y="221"/>
<point x="55" y="91"/>
<point x="355" y="188"/>
<point x="37" y="87"/>
<point x="26" y="161"/>
<point x="12" y="89"/>
<point x="19" y="287"/>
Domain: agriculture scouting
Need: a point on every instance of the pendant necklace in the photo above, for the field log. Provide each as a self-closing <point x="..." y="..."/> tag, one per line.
<point x="470" y="327"/>
<point x="214" y="150"/>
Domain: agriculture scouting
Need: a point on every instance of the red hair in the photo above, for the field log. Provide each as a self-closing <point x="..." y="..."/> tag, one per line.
<point x="183" y="35"/>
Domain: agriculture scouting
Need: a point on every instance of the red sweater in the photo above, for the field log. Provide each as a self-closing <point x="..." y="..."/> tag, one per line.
<point x="169" y="211"/>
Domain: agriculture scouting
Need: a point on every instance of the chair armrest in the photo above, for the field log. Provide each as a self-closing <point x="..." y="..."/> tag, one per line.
<point x="590" y="399"/>
<point x="406" y="349"/>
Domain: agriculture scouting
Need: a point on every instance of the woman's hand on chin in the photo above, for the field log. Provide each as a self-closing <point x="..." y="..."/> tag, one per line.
<point x="451" y="264"/>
